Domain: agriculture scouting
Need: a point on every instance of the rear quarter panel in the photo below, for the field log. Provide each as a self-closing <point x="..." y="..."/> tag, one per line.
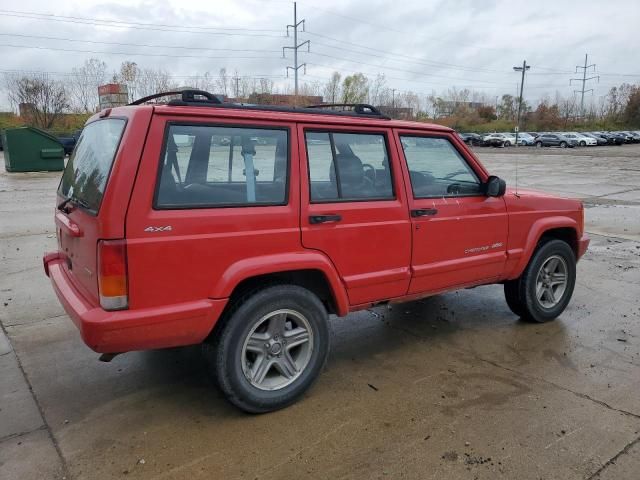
<point x="189" y="262"/>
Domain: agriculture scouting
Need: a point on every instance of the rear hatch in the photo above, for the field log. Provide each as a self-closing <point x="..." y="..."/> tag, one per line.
<point x="82" y="217"/>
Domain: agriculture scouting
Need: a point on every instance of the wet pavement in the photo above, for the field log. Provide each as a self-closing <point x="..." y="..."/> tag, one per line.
<point x="453" y="386"/>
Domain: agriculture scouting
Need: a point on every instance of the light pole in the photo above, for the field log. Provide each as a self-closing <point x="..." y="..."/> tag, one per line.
<point x="522" y="69"/>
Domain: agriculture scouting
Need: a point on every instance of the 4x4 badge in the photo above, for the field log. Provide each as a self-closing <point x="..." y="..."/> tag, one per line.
<point x="166" y="228"/>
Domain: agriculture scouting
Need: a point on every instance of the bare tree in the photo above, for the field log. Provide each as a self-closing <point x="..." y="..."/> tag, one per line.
<point x="84" y="84"/>
<point x="129" y="73"/>
<point x="43" y="98"/>
<point x="377" y="90"/>
<point x="332" y="88"/>
<point x="266" y="86"/>
<point x="223" y="82"/>
<point x="150" y="81"/>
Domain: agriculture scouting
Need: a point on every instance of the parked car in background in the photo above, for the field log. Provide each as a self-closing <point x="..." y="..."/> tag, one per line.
<point x="498" y="140"/>
<point x="510" y="137"/>
<point x="555" y="140"/>
<point x="599" y="140"/>
<point x="471" y="138"/>
<point x="618" y="138"/>
<point x="69" y="143"/>
<point x="581" y="139"/>
<point x="610" y="139"/>
<point x="630" y="136"/>
<point x="525" y="139"/>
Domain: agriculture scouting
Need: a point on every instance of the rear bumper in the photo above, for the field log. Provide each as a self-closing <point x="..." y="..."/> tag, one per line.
<point x="138" y="329"/>
<point x="583" y="244"/>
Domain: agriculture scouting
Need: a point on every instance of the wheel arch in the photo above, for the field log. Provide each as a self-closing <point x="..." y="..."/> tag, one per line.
<point x="560" y="228"/>
<point x="310" y="270"/>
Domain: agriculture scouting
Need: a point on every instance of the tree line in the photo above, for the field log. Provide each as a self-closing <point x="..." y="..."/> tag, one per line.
<point x="51" y="98"/>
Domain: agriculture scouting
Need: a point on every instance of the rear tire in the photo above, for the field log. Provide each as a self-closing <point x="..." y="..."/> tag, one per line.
<point x="544" y="289"/>
<point x="270" y="348"/>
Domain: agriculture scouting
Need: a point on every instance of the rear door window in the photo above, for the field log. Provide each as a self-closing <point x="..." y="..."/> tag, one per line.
<point x="216" y="166"/>
<point x="87" y="172"/>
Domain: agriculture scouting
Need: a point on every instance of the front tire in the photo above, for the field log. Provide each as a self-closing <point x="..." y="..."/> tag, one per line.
<point x="563" y="144"/>
<point x="538" y="144"/>
<point x="271" y="348"/>
<point x="507" y="144"/>
<point x="544" y="289"/>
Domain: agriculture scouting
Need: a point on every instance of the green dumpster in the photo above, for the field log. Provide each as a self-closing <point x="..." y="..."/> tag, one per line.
<point x="29" y="149"/>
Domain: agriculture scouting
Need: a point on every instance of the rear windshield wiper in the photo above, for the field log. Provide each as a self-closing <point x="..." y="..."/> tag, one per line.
<point x="62" y="206"/>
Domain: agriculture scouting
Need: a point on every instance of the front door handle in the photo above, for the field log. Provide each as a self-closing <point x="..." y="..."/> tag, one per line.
<point x="423" y="212"/>
<point x="315" y="219"/>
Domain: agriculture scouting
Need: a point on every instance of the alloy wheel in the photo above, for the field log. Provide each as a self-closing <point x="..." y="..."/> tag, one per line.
<point x="551" y="281"/>
<point x="277" y="349"/>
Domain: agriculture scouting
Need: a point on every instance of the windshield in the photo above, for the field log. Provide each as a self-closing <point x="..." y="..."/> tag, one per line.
<point x="85" y="176"/>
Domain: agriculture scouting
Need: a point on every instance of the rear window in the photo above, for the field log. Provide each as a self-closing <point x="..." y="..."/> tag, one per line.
<point x="87" y="171"/>
<point x="207" y="166"/>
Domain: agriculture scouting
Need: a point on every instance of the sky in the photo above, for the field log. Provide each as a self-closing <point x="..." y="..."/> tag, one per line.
<point x="419" y="45"/>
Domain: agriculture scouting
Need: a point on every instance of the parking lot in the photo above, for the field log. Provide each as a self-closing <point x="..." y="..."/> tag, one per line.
<point x="453" y="386"/>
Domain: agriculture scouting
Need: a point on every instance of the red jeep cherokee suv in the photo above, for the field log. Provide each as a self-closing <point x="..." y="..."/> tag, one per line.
<point x="243" y="227"/>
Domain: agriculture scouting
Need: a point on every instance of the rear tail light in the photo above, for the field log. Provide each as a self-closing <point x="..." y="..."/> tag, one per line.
<point x="112" y="274"/>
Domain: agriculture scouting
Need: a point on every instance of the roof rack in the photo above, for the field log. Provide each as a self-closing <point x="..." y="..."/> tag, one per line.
<point x="359" y="108"/>
<point x="188" y="97"/>
<point x="200" y="98"/>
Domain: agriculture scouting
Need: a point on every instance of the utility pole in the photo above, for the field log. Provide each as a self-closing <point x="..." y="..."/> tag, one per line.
<point x="295" y="48"/>
<point x="522" y="69"/>
<point x="393" y="98"/>
<point x="584" y="80"/>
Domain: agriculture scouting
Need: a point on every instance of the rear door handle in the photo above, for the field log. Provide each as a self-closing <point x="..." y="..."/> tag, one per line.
<point x="315" y="219"/>
<point x="423" y="212"/>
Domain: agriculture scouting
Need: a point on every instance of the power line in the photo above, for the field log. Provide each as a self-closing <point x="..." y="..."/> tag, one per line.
<point x="414" y="33"/>
<point x="140" y="27"/>
<point x="133" y="54"/>
<point x="408" y="59"/>
<point x="137" y="44"/>
<point x="382" y="67"/>
<point x="434" y="62"/>
<point x="204" y="76"/>
<point x="103" y="20"/>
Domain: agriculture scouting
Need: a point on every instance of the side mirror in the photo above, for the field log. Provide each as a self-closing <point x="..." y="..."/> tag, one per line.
<point x="495" y="186"/>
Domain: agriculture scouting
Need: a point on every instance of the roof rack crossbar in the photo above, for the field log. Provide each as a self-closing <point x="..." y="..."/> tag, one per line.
<point x="188" y="96"/>
<point x="359" y="108"/>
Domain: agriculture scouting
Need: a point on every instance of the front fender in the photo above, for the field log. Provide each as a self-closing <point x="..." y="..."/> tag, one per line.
<point x="520" y="256"/>
<point x="282" y="262"/>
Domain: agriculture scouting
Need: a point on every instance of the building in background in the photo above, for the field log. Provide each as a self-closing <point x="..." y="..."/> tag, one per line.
<point x="401" y="113"/>
<point x="449" y="107"/>
<point x="113" y="95"/>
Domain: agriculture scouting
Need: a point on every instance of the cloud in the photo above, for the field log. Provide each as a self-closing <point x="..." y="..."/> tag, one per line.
<point x="418" y="45"/>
